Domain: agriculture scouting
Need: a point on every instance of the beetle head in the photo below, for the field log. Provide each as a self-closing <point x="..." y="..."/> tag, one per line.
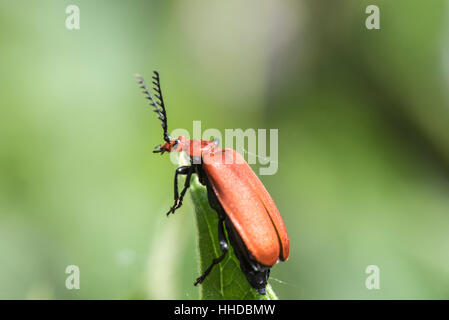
<point x="174" y="144"/>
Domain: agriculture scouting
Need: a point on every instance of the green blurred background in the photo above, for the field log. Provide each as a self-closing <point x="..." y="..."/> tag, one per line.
<point x="363" y="118"/>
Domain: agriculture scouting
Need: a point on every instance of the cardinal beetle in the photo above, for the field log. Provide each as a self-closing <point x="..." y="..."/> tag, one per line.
<point x="254" y="226"/>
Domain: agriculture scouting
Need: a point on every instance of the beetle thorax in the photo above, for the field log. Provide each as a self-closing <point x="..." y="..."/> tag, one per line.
<point x="197" y="148"/>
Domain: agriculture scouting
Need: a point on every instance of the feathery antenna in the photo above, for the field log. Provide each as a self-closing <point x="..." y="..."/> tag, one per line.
<point x="157" y="104"/>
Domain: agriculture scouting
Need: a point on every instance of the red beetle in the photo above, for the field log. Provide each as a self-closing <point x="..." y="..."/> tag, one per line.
<point x="254" y="226"/>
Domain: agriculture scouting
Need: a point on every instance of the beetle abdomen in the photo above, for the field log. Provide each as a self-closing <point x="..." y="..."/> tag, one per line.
<point x="248" y="206"/>
<point x="256" y="273"/>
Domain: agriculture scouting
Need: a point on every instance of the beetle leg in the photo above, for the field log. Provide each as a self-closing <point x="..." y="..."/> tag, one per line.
<point x="223" y="247"/>
<point x="181" y="170"/>
<point x="185" y="170"/>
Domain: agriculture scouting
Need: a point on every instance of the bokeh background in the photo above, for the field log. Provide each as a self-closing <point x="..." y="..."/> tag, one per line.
<point x="363" y="118"/>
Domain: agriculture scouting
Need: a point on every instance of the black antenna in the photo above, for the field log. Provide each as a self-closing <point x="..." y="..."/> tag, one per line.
<point x="158" y="104"/>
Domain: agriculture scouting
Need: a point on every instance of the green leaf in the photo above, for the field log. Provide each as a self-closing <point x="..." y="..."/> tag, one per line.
<point x="226" y="281"/>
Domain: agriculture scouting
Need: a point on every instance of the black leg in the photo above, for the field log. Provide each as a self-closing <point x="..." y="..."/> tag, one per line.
<point x="185" y="170"/>
<point x="223" y="247"/>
